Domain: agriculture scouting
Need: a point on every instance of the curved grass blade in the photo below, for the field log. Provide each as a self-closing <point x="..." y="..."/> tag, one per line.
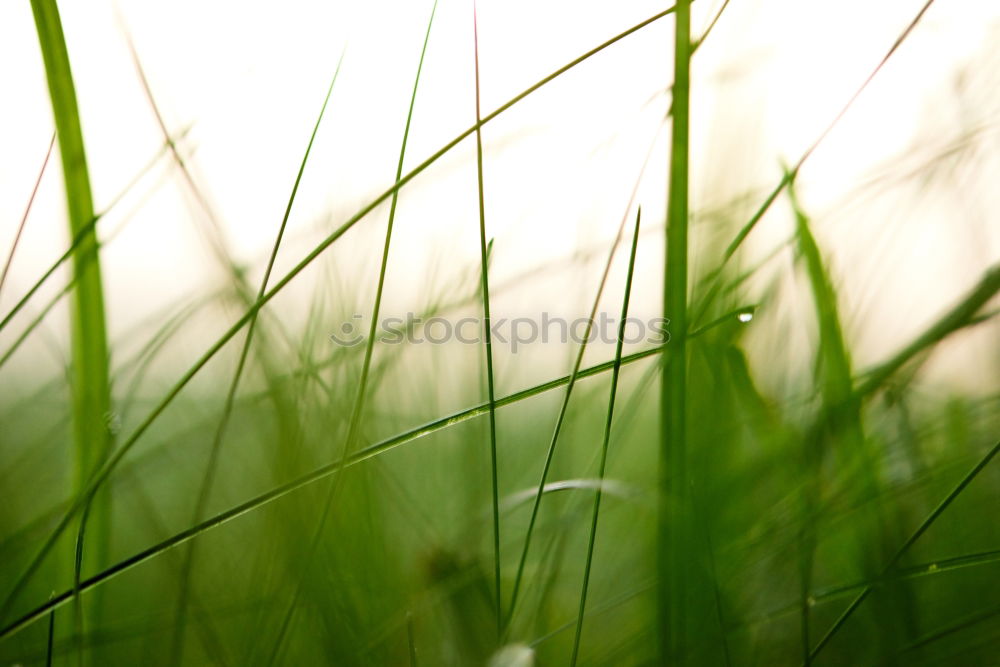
<point x="487" y="339"/>
<point x="914" y="572"/>
<point x="961" y="315"/>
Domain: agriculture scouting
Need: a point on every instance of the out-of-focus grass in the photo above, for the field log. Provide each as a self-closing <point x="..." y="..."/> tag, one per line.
<point x="352" y="520"/>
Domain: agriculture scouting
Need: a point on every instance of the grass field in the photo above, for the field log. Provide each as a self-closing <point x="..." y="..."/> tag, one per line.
<point x="260" y="471"/>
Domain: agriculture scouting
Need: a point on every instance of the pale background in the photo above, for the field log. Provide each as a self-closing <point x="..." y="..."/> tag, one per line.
<point x="906" y="230"/>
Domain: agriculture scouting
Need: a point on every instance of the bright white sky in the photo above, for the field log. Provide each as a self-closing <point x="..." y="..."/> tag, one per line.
<point x="249" y="77"/>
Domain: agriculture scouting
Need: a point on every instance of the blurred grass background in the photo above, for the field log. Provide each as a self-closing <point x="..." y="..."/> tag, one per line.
<point x="300" y="502"/>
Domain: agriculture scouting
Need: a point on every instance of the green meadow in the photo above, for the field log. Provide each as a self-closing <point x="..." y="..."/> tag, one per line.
<point x="225" y="483"/>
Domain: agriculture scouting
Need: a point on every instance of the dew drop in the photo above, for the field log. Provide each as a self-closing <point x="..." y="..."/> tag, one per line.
<point x="745" y="317"/>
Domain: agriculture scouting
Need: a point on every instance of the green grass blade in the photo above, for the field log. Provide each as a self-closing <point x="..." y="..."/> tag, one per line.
<point x="711" y="26"/>
<point x="935" y="568"/>
<point x="961" y="315"/>
<point x="484" y="252"/>
<point x="673" y="390"/>
<point x="840" y="412"/>
<point x="90" y="351"/>
<point x="834" y="359"/>
<point x="615" y="371"/>
<point x="91" y="387"/>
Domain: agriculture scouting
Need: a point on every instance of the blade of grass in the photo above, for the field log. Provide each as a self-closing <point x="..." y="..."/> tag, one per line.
<point x="914" y="572"/>
<point x="711" y="26"/>
<point x="833" y="593"/>
<point x="834" y="359"/>
<point x="488" y="339"/>
<point x="962" y="314"/>
<point x="840" y="411"/>
<point x="673" y="389"/>
<point x="27" y="210"/>
<point x="615" y="371"/>
<point x="90" y="382"/>
<point x="109" y="465"/>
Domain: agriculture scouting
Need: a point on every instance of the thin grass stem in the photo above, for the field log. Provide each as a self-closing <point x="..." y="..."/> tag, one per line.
<point x="488" y="337"/>
<point x="602" y="466"/>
